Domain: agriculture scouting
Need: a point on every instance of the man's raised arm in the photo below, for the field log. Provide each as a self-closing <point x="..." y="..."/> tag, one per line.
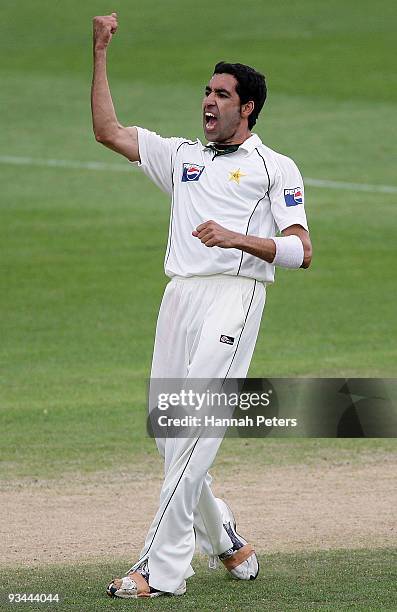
<point x="107" y="129"/>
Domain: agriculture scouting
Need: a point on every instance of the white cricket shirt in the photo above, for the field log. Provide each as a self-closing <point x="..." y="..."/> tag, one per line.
<point x="254" y="191"/>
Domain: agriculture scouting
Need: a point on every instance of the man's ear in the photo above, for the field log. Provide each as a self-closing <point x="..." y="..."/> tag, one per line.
<point x="247" y="108"/>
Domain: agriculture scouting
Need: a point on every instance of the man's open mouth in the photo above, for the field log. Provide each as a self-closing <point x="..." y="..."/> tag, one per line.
<point x="210" y="121"/>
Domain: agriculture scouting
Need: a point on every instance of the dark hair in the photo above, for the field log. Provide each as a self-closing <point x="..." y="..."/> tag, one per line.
<point x="251" y="85"/>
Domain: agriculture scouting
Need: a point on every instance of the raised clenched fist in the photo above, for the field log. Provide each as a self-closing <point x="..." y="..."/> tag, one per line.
<point x="104" y="28"/>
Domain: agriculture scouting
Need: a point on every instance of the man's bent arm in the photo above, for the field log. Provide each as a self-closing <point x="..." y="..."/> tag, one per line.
<point x="265" y="248"/>
<point x="107" y="129"/>
<point x="212" y="234"/>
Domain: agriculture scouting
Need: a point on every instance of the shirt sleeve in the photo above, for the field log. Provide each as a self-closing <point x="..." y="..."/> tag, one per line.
<point x="157" y="156"/>
<point x="287" y="195"/>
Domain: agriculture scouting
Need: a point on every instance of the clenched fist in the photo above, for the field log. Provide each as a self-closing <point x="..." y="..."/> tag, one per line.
<point x="104" y="28"/>
<point x="212" y="234"/>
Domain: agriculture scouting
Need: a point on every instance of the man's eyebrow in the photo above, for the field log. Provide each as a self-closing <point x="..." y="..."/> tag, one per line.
<point x="217" y="90"/>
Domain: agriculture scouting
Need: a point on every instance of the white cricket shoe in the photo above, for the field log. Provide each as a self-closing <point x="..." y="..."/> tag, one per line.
<point x="240" y="560"/>
<point x="136" y="584"/>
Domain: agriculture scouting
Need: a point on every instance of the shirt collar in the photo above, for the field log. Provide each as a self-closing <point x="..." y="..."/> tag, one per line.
<point x="251" y="143"/>
<point x="248" y="145"/>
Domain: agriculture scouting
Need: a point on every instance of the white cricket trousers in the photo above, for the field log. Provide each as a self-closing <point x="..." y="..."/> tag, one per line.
<point x="195" y="312"/>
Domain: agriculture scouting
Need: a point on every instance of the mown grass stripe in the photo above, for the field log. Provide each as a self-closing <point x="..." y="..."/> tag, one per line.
<point x="103" y="166"/>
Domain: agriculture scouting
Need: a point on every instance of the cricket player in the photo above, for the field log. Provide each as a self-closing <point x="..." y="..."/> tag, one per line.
<point x="230" y="197"/>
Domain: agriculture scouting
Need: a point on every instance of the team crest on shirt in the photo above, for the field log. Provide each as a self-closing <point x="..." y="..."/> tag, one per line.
<point x="293" y="196"/>
<point x="235" y="175"/>
<point x="191" y="172"/>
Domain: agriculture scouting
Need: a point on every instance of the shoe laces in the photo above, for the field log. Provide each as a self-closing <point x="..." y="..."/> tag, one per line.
<point x="227" y="554"/>
<point x="143" y="570"/>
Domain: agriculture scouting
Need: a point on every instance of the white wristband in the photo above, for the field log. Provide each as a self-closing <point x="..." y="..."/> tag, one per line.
<point x="289" y="251"/>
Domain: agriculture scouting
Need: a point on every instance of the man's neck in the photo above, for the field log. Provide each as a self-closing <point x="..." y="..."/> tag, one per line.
<point x="236" y="139"/>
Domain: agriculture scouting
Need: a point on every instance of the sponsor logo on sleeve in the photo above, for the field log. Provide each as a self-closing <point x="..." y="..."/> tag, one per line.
<point x="191" y="172"/>
<point x="226" y="339"/>
<point x="293" y="196"/>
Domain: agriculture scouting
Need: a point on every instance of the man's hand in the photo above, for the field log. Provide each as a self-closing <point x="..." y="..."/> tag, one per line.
<point x="104" y="28"/>
<point x="212" y="234"/>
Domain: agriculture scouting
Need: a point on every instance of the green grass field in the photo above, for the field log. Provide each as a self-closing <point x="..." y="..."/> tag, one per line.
<point x="82" y="249"/>
<point x="359" y="580"/>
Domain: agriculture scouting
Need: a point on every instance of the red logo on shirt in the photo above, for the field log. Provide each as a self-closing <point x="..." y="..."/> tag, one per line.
<point x="191" y="172"/>
<point x="293" y="197"/>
